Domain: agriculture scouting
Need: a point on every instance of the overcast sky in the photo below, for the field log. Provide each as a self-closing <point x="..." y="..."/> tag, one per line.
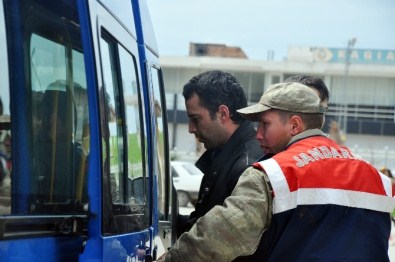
<point x="258" y="26"/>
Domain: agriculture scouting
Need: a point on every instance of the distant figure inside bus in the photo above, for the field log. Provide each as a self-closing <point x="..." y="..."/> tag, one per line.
<point x="57" y="156"/>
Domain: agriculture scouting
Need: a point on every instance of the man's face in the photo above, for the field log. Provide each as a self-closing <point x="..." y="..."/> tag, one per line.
<point x="205" y="129"/>
<point x="273" y="133"/>
<point x="58" y="129"/>
<point x="323" y="102"/>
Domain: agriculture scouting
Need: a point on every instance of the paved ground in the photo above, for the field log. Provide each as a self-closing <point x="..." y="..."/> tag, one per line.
<point x="391" y="250"/>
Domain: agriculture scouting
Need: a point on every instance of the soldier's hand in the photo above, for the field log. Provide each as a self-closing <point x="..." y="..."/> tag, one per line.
<point x="162" y="258"/>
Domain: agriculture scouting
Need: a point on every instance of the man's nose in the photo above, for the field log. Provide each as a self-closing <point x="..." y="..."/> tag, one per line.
<point x="191" y="127"/>
<point x="259" y="133"/>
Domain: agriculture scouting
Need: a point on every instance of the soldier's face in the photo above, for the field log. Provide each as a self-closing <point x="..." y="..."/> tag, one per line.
<point x="273" y="132"/>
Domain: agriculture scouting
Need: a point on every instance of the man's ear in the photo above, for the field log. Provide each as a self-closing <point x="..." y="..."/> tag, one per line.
<point x="223" y="113"/>
<point x="296" y="124"/>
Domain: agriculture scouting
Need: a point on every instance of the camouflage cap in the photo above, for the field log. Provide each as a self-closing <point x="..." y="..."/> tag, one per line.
<point x="293" y="97"/>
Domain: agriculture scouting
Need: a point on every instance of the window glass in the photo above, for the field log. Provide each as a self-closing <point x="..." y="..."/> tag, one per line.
<point x="53" y="98"/>
<point x="174" y="172"/>
<point x="124" y="180"/>
<point x="164" y="182"/>
<point x="135" y="164"/>
<point x="60" y="122"/>
<point x="114" y="120"/>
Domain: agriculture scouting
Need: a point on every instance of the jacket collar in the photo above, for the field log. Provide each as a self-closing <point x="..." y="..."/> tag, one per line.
<point x="212" y="157"/>
<point x="306" y="134"/>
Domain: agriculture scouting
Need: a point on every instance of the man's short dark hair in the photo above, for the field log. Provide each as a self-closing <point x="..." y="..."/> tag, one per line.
<point x="216" y="88"/>
<point x="313" y="82"/>
<point x="310" y="120"/>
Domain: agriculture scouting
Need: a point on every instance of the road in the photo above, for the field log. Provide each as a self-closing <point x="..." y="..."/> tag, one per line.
<point x="391" y="249"/>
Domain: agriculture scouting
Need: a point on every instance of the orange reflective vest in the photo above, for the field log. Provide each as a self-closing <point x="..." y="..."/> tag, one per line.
<point x="329" y="204"/>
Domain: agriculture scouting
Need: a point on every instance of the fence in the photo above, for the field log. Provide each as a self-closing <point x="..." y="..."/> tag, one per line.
<point x="377" y="157"/>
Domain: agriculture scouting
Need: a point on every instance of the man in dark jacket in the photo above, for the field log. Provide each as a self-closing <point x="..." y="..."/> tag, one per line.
<point x="211" y="100"/>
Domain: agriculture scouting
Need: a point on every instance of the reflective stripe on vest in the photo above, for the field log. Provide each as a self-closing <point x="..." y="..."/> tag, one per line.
<point x="372" y="190"/>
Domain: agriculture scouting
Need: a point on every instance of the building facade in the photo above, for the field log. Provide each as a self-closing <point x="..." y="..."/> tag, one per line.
<point x="361" y="85"/>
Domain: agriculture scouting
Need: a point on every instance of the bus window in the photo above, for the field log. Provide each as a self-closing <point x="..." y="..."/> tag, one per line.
<point x="113" y="126"/>
<point x="137" y="193"/>
<point x="54" y="103"/>
<point x="60" y="121"/>
<point x="164" y="181"/>
<point x="123" y="143"/>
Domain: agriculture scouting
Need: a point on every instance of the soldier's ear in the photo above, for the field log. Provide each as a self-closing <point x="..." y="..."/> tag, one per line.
<point x="296" y="125"/>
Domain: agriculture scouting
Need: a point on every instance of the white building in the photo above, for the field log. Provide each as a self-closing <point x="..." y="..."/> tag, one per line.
<point x="361" y="85"/>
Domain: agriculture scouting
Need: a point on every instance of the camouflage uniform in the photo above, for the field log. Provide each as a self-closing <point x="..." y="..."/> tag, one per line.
<point x="234" y="229"/>
<point x="227" y="231"/>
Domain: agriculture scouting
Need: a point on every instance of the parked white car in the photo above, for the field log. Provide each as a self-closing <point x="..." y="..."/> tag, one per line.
<point x="186" y="178"/>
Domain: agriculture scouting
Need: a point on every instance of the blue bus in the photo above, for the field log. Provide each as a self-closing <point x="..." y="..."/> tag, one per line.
<point x="84" y="155"/>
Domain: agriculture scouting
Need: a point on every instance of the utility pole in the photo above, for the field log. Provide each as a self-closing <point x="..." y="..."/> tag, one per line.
<point x="350" y="46"/>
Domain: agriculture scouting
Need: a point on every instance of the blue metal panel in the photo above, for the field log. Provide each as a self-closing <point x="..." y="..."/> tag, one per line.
<point x="94" y="247"/>
<point x="144" y="28"/>
<point x="18" y="105"/>
<point x="122" y="10"/>
<point x="145" y="39"/>
<point x="126" y="246"/>
<point x="118" y="248"/>
<point x="41" y="249"/>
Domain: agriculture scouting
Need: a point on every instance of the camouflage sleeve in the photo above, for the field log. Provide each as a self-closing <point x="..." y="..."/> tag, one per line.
<point x="231" y="230"/>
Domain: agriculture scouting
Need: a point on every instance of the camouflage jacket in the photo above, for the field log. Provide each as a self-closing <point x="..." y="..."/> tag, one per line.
<point x="227" y="232"/>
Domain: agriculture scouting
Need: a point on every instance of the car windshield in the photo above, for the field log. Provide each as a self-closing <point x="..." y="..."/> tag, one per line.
<point x="192" y="169"/>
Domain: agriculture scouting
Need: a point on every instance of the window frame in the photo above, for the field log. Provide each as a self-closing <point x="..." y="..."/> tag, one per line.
<point x="23" y="221"/>
<point x="117" y="217"/>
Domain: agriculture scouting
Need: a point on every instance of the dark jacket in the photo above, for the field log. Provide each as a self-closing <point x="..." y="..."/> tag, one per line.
<point x="222" y="169"/>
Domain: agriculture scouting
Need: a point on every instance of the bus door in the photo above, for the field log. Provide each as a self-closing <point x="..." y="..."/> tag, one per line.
<point x="44" y="118"/>
<point x="164" y="198"/>
<point x="167" y="207"/>
<point x="125" y="192"/>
